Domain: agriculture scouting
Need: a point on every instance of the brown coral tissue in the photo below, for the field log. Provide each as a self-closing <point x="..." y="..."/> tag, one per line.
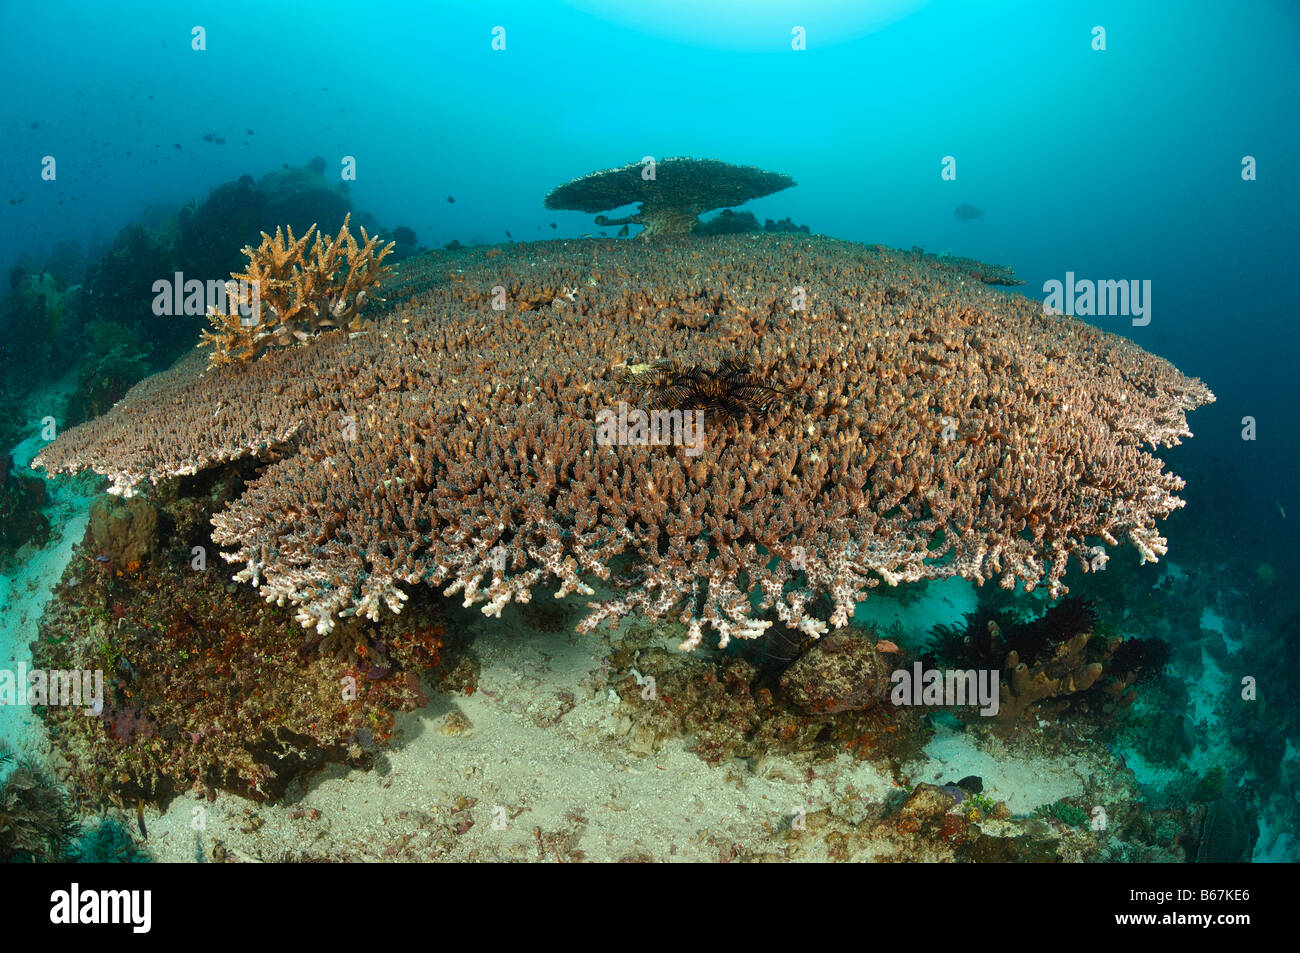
<point x="288" y="294"/>
<point x="939" y="428"/>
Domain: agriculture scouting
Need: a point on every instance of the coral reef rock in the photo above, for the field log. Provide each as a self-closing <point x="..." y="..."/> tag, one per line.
<point x="122" y="532"/>
<point x="1051" y="664"/>
<point x="21" y="500"/>
<point x="842" y="672"/>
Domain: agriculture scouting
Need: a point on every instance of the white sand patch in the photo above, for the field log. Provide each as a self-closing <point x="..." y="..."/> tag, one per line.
<point x="1023" y="780"/>
<point x="1207" y="691"/>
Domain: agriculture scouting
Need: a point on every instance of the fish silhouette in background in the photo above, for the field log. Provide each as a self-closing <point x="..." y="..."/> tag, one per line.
<point x="967" y="213"/>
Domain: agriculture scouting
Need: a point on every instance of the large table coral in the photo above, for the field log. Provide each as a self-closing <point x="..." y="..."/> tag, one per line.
<point x="927" y="426"/>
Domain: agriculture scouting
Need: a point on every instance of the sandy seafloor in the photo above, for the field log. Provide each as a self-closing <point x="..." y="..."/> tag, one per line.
<point x="541" y="763"/>
<point x="25" y="586"/>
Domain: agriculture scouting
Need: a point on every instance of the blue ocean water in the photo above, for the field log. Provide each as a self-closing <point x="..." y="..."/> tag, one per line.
<point x="1148" y="141"/>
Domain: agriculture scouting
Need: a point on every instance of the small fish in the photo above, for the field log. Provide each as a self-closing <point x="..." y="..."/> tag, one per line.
<point x="176" y="144"/>
<point x="451" y="200"/>
<point x="1278" y="505"/>
<point x="139" y="817"/>
<point x="884" y="645"/>
<point x="219" y="141"/>
<point x="967" y="213"/>
<point x="209" y="137"/>
<point x="248" y="132"/>
<point x="553" y="225"/>
<point x="508" y="234"/>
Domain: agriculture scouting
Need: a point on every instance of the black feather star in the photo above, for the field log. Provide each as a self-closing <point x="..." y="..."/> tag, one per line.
<point x="970" y="644"/>
<point x="732" y="390"/>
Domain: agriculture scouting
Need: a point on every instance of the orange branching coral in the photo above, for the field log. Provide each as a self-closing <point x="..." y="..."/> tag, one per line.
<point x="926" y="426"/>
<point x="287" y="294"/>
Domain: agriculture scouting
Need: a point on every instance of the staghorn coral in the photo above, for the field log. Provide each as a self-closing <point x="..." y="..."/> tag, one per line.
<point x="680" y="189"/>
<point x="294" y="293"/>
<point x="938" y="429"/>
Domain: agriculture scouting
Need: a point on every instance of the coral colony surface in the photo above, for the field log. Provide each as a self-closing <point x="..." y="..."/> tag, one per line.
<point x="955" y="432"/>
<point x="400" y="524"/>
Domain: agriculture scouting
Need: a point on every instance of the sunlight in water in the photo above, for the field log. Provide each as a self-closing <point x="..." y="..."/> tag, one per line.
<point x="752" y="25"/>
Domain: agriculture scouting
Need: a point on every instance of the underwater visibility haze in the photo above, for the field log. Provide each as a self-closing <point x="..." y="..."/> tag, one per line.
<point x="609" y="431"/>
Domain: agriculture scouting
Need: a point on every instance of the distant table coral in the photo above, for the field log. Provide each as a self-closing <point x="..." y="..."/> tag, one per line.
<point x="927" y="426"/>
<point x="672" y="193"/>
